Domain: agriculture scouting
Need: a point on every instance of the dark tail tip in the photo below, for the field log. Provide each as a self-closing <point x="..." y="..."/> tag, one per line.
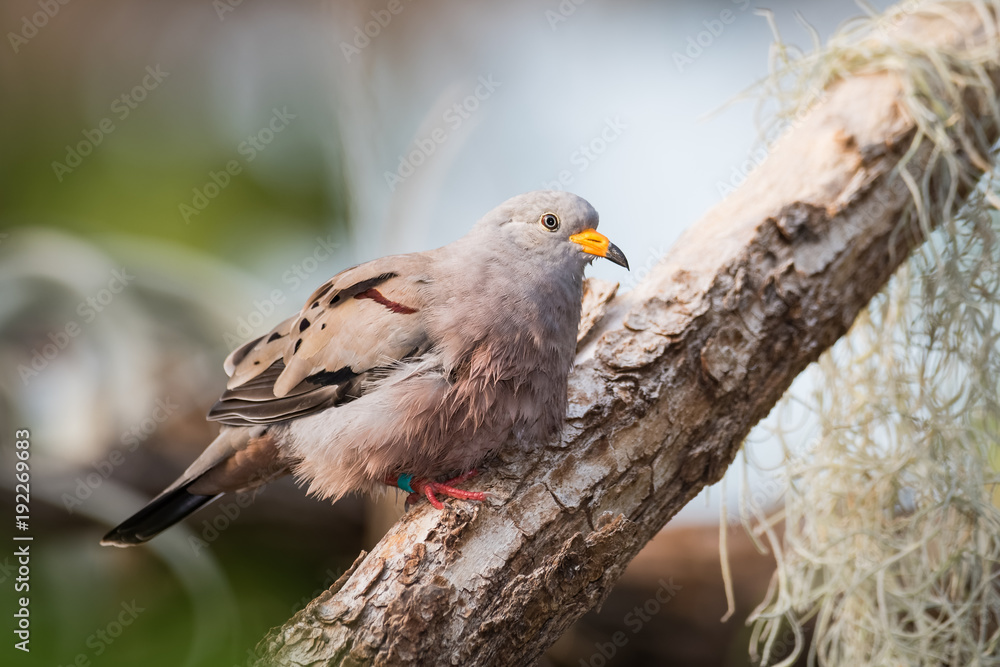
<point x="162" y="512"/>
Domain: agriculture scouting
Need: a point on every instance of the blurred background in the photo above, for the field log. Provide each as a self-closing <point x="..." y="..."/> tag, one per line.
<point x="176" y="178"/>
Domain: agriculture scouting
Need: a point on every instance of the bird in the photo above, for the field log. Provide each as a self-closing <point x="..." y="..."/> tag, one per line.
<point x="405" y="369"/>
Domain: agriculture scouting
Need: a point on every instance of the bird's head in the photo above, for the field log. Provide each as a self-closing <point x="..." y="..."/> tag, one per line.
<point x="558" y="226"/>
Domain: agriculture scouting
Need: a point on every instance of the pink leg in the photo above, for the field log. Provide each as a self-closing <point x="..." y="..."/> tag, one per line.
<point x="431" y="490"/>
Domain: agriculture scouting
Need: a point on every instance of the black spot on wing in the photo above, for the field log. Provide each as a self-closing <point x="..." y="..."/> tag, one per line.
<point x="338" y="376"/>
<point x="273" y="337"/>
<point x="241" y="353"/>
<point x="303" y="324"/>
<point x="364" y="285"/>
<point x="372" y="282"/>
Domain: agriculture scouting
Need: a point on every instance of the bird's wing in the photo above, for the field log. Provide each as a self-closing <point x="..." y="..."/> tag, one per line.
<point x="361" y="320"/>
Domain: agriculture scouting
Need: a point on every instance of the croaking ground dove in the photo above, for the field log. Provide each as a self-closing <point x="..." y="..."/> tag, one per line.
<point x="404" y="369"/>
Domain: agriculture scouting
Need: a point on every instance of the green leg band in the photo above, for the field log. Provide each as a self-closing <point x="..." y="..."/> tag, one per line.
<point x="403" y="482"/>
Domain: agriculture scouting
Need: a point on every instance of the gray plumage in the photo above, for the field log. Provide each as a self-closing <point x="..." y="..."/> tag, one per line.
<point x="422" y="364"/>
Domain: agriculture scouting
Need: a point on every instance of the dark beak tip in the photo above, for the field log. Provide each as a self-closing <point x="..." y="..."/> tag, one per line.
<point x="615" y="254"/>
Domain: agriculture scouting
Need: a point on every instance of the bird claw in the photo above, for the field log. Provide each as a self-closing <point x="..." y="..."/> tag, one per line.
<point x="430" y="490"/>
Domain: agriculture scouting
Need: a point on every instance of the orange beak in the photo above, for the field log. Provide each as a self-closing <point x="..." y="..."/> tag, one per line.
<point x="595" y="243"/>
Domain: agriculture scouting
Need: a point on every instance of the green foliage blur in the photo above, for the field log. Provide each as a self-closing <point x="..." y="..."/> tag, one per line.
<point x="94" y="143"/>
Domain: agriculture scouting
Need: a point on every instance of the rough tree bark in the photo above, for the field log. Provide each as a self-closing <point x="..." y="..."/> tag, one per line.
<point x="666" y="386"/>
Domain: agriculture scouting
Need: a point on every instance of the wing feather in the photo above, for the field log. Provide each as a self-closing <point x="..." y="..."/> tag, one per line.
<point x="360" y="321"/>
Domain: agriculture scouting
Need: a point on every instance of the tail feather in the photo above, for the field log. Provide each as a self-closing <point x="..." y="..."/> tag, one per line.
<point x="162" y="512"/>
<point x="237" y="460"/>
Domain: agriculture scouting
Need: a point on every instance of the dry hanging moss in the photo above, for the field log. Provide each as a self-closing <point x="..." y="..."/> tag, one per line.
<point x="891" y="548"/>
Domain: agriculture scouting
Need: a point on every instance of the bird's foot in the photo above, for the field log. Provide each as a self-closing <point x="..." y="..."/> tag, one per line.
<point x="418" y="486"/>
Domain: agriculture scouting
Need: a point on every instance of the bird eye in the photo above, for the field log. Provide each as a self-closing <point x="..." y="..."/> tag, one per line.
<point x="550" y="222"/>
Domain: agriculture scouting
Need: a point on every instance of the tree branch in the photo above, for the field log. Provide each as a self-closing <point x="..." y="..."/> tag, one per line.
<point x="666" y="387"/>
